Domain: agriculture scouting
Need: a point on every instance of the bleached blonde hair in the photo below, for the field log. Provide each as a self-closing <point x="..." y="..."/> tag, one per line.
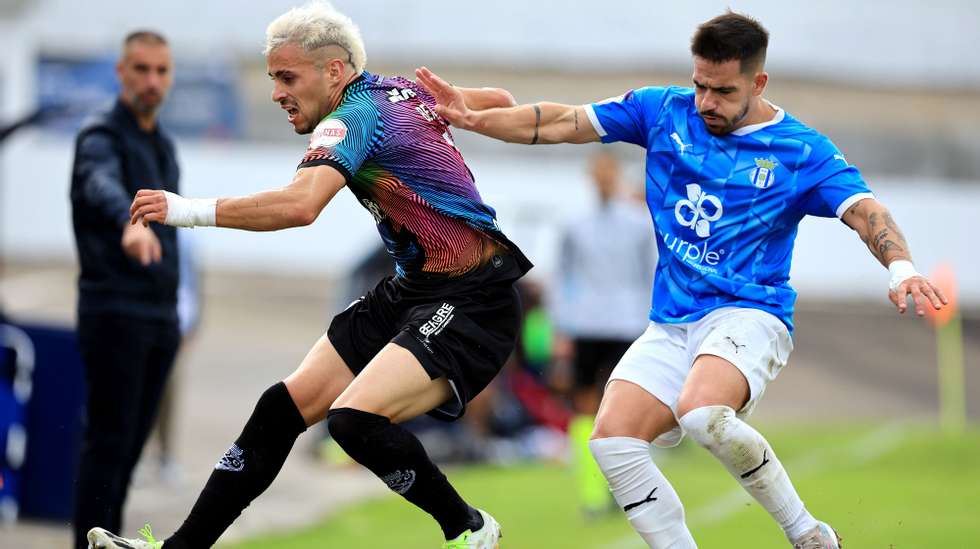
<point x="315" y="25"/>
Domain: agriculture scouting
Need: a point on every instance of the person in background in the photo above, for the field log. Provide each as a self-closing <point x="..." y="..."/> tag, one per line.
<point x="127" y="286"/>
<point x="605" y="269"/>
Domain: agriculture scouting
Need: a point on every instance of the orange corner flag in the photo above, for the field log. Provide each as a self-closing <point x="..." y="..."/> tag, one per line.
<point x="945" y="279"/>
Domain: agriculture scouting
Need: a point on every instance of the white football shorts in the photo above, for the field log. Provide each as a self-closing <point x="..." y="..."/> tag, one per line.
<point x="756" y="342"/>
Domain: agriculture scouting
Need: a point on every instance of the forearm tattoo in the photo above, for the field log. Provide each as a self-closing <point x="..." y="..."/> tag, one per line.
<point x="885" y="237"/>
<point x="537" y="123"/>
<point x="576" y="119"/>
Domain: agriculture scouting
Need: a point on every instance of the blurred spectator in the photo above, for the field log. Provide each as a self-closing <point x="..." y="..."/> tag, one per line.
<point x="127" y="307"/>
<point x="605" y="270"/>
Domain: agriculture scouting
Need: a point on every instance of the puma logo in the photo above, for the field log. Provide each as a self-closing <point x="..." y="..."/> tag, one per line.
<point x="681" y="144"/>
<point x="734" y="344"/>
<point x="751" y="472"/>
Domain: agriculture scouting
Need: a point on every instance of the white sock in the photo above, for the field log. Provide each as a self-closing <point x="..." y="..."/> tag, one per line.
<point x="750" y="459"/>
<point x="642" y="491"/>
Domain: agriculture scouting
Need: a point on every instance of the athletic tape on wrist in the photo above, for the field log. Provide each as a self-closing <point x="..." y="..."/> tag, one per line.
<point x="190" y="212"/>
<point x="901" y="270"/>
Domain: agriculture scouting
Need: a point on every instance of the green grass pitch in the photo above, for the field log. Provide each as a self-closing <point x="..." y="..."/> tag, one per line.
<point x="891" y="487"/>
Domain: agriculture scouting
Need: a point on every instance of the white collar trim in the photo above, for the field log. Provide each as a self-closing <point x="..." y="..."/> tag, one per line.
<point x="780" y="114"/>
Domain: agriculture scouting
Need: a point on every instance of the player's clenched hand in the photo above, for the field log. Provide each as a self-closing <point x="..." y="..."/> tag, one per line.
<point x="923" y="293"/>
<point x="148" y="206"/>
<point x="450" y="103"/>
<point x="141" y="244"/>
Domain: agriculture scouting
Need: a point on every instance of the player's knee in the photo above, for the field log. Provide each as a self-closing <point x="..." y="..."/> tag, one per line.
<point x="692" y="400"/>
<point x="644" y="427"/>
<point x="353" y="428"/>
<point x="611" y="451"/>
<point x="608" y="428"/>
<point x="275" y="415"/>
<point x="709" y="426"/>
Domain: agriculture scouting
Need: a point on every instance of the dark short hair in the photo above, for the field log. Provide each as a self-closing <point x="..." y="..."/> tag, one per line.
<point x="143" y="36"/>
<point x="732" y="36"/>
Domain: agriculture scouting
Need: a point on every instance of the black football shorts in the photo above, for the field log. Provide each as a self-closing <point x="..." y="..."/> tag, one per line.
<point x="463" y="329"/>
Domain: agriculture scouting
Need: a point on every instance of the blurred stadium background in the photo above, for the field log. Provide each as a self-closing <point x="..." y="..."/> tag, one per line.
<point x="895" y="84"/>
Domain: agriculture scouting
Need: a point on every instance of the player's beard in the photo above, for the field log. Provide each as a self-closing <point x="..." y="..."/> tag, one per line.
<point x="730" y="125"/>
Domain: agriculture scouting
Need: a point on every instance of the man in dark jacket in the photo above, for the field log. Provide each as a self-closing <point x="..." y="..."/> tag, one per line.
<point x="127" y="287"/>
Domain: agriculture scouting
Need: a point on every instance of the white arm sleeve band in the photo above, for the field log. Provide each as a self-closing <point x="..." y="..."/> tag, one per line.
<point x="901" y="270"/>
<point x="190" y="212"/>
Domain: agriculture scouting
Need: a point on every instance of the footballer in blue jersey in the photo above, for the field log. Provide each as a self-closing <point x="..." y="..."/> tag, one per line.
<point x="729" y="176"/>
<point x="726" y="206"/>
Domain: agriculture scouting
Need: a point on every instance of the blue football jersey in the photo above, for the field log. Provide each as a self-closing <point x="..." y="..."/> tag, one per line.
<point x="726" y="208"/>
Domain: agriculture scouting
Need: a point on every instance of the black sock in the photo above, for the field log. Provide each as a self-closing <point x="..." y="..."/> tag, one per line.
<point x="245" y="471"/>
<point x="398" y="458"/>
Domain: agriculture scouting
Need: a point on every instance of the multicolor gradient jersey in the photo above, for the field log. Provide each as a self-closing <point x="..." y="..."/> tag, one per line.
<point x="726" y="207"/>
<point x="399" y="160"/>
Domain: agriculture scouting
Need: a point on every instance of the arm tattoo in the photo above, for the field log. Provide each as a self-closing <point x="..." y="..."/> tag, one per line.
<point x="537" y="123"/>
<point x="876" y="241"/>
<point x="886" y="240"/>
<point x="890" y="223"/>
<point x="899" y="244"/>
<point x="888" y="245"/>
<point x="576" y="119"/>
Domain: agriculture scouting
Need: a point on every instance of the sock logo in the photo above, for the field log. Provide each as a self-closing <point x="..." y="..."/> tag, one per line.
<point x="400" y="481"/>
<point x="233" y="460"/>
<point x="636" y="504"/>
<point x="751" y="472"/>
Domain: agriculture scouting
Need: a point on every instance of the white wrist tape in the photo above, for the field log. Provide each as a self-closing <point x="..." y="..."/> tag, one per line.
<point x="190" y="212"/>
<point x="901" y="270"/>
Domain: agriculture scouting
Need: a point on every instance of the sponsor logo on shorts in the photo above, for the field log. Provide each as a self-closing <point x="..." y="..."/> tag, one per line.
<point x="734" y="344"/>
<point x="400" y="481"/>
<point x="233" y="460"/>
<point x="442" y="317"/>
<point x="375" y="210"/>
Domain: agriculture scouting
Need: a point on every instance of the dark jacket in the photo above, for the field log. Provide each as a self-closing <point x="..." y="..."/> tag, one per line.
<point x="114" y="158"/>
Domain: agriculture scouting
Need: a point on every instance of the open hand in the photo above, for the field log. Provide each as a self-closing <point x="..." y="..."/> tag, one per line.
<point x="450" y="103"/>
<point x="923" y="293"/>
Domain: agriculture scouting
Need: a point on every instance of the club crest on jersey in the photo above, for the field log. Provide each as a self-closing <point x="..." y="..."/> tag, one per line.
<point x="764" y="174"/>
<point x="328" y="133"/>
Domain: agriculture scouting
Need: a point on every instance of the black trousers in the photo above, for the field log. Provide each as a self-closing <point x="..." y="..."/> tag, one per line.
<point x="127" y="362"/>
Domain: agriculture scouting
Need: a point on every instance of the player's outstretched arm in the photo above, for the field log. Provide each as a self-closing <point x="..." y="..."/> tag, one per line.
<point x="294" y="205"/>
<point x="541" y="123"/>
<point x="478" y="99"/>
<point x="876" y="227"/>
